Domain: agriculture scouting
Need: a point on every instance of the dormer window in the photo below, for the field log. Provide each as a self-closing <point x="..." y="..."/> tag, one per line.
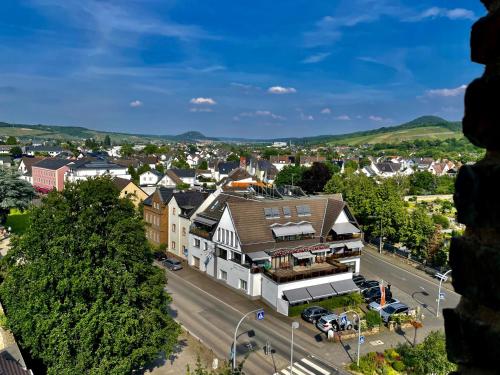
<point x="272" y="213"/>
<point x="303" y="210"/>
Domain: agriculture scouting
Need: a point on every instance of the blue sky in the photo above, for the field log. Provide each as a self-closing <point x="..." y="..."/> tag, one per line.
<point x="234" y="68"/>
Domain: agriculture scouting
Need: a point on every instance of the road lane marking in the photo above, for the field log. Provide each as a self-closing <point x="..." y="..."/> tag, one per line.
<point x="315" y="366"/>
<point x="413" y="274"/>
<point x="302" y="368"/>
<point x="376" y="342"/>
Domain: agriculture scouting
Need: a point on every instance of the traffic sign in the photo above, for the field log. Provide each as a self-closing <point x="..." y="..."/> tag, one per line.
<point x="362" y="339"/>
<point x="260" y="315"/>
<point x="441" y="276"/>
<point x="441" y="296"/>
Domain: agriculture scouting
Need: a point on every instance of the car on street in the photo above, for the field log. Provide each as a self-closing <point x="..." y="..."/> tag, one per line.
<point x="358" y="280"/>
<point x="368" y="284"/>
<point x="396" y="308"/>
<point x="334" y="322"/>
<point x="375" y="305"/>
<point x="172" y="264"/>
<point x="160" y="255"/>
<point x="372" y="294"/>
<point x="313" y="313"/>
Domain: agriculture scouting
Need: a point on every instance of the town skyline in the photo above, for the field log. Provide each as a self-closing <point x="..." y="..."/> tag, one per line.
<point x="266" y="72"/>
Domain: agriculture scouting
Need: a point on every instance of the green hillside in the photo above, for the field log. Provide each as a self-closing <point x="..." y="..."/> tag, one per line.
<point x="425" y="127"/>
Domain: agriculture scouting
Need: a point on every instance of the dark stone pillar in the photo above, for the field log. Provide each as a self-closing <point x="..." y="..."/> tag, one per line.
<point x="473" y="327"/>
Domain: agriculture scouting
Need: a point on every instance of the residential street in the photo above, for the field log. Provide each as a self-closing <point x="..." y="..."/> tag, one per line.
<point x="210" y="311"/>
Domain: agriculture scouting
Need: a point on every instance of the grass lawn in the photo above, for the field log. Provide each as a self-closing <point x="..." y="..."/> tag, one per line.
<point x="18" y="221"/>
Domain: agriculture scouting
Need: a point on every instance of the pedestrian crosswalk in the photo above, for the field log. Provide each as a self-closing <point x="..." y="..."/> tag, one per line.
<point x="308" y="366"/>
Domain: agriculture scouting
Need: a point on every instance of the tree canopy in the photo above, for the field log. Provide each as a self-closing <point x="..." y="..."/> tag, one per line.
<point x="80" y="290"/>
<point x="14" y="192"/>
<point x="290" y="175"/>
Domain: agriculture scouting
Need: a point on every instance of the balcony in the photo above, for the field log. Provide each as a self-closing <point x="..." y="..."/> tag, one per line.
<point x="345" y="254"/>
<point x="286" y="275"/>
<point x="200" y="232"/>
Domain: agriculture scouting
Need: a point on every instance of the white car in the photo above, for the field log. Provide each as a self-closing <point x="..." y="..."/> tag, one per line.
<point x="375" y="305"/>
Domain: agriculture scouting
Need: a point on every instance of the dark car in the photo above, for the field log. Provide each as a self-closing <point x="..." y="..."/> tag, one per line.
<point x="396" y="308"/>
<point x="358" y="280"/>
<point x="313" y="313"/>
<point x="160" y="255"/>
<point x="172" y="264"/>
<point x="373" y="294"/>
<point x="369" y="284"/>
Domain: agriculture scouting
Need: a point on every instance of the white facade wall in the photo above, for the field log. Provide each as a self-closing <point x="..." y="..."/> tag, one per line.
<point x="272" y="291"/>
<point x="202" y="252"/>
<point x="83" y="174"/>
<point x="148" y="178"/>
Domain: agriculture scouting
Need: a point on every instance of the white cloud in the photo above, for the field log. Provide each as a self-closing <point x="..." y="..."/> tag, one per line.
<point x="326" y="111"/>
<point x="305" y="117"/>
<point x="201" y="100"/>
<point x="452" y="14"/>
<point x="316" y="58"/>
<point x="447" y="92"/>
<point x="281" y="90"/>
<point x="260" y="113"/>
<point x="375" y="118"/>
<point x="135" y="103"/>
<point x="193" y="109"/>
<point x="343" y="118"/>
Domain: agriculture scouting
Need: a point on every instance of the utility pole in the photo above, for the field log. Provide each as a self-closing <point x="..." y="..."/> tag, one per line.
<point x="295" y="325"/>
<point x="381" y="236"/>
<point x="442" y="277"/>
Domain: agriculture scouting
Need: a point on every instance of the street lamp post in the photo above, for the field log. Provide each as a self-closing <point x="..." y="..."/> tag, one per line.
<point x="359" y="334"/>
<point x="381" y="237"/>
<point x="441" y="279"/>
<point x="295" y="325"/>
<point x="235" y="335"/>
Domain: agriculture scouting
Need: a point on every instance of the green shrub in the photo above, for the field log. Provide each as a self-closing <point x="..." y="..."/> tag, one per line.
<point x="398" y="366"/>
<point x="373" y="319"/>
<point x="348" y="300"/>
<point x="441" y="220"/>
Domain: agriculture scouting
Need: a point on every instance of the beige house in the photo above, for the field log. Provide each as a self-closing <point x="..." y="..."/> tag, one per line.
<point x="181" y="207"/>
<point x="129" y="189"/>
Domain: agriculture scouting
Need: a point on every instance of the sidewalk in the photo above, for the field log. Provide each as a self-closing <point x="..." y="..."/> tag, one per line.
<point x="406" y="265"/>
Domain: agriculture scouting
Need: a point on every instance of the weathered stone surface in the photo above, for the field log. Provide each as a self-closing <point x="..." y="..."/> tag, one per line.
<point x="471" y="341"/>
<point x="485" y="39"/>
<point x="481" y="123"/>
<point x="473" y="261"/>
<point x="476" y="196"/>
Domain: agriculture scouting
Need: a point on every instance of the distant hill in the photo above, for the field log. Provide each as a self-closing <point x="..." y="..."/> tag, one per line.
<point x="76" y="132"/>
<point x="425" y="127"/>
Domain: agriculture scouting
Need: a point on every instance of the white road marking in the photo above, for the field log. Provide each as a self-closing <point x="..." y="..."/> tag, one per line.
<point x="315" y="366"/>
<point x="376" y="342"/>
<point x="303" y="369"/>
<point x="413" y="274"/>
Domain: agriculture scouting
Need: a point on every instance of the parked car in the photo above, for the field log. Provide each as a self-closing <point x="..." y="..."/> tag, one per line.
<point x="372" y="294"/>
<point x="395" y="308"/>
<point x="160" y="255"/>
<point x="334" y="322"/>
<point x="358" y="280"/>
<point x="172" y="264"/>
<point x="369" y="284"/>
<point x="375" y="305"/>
<point x="313" y="313"/>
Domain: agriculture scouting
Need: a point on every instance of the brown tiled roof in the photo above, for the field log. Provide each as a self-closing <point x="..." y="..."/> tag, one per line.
<point x="239" y="174"/>
<point x="127" y="162"/>
<point x="28" y="162"/>
<point x="254" y="228"/>
<point x="9" y="365"/>
<point x="173" y="176"/>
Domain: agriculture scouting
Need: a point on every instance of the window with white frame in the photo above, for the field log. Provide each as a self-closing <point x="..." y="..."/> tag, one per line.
<point x="196" y="242"/>
<point x="223" y="275"/>
<point x="243" y="284"/>
<point x="205" y="244"/>
<point x="173" y="228"/>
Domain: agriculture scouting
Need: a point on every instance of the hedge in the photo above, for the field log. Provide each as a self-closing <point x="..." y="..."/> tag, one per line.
<point x="348" y="300"/>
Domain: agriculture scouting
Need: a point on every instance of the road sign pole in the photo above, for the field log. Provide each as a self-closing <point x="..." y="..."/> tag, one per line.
<point x="295" y="325"/>
<point x="236" y="333"/>
<point x="442" y="277"/>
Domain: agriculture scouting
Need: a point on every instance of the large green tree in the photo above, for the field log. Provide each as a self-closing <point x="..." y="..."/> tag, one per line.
<point x="289" y="175"/>
<point x="315" y="178"/>
<point x="14" y="193"/>
<point x="428" y="357"/>
<point x="80" y="289"/>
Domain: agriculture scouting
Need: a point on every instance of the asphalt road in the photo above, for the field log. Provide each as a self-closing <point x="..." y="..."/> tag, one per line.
<point x="213" y="321"/>
<point x="422" y="289"/>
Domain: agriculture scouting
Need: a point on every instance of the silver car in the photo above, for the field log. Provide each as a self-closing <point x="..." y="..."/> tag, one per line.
<point x="375" y="305"/>
<point x="393" y="309"/>
<point x="172" y="264"/>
